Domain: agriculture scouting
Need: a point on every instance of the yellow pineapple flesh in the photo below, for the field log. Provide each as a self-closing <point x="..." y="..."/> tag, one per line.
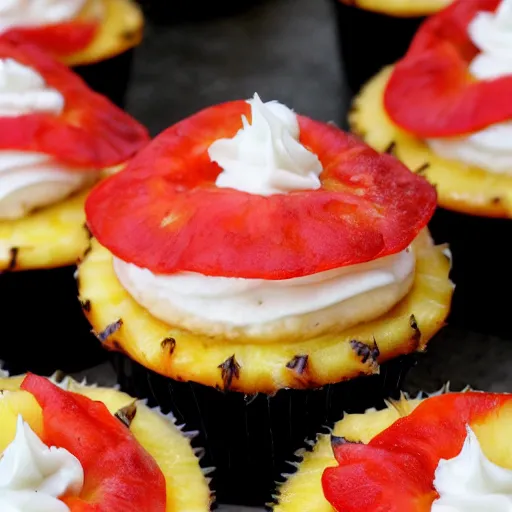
<point x="187" y="487"/>
<point x="400" y="8"/>
<point x="460" y="187"/>
<point x="122" y="324"/>
<point x="122" y="24"/>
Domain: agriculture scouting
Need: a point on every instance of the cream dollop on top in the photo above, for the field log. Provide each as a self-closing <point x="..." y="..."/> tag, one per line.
<point x="491" y="148"/>
<point x="33" y="476"/>
<point x="266" y="157"/>
<point x="32" y="180"/>
<point x="470" y="482"/>
<point x="29" y="13"/>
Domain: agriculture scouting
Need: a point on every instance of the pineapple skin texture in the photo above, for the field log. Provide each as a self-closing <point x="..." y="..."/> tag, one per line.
<point x="251" y="368"/>
<point x="400" y="8"/>
<point x="302" y="492"/>
<point x="460" y="187"/>
<point x="51" y="237"/>
<point x="187" y="488"/>
<point x="121" y="28"/>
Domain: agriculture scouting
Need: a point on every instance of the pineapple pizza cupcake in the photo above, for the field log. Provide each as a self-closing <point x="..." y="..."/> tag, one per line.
<point x="249" y="256"/>
<point x="56" y="138"/>
<point x="374" y="33"/>
<point x="449" y="452"/>
<point x="96" y="37"/>
<point x="444" y="111"/>
<point x="71" y="448"/>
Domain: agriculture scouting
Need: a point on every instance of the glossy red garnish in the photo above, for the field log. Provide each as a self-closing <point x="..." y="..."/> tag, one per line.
<point x="120" y="476"/>
<point x="431" y="93"/>
<point x="91" y="131"/>
<point x="166" y="214"/>
<point x="59" y="39"/>
<point x="394" y="472"/>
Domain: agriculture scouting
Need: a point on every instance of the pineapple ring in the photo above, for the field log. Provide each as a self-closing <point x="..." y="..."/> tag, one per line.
<point x="51" y="237"/>
<point x="121" y="28"/>
<point x="400" y="8"/>
<point x="460" y="187"/>
<point x="303" y="490"/>
<point x="122" y="324"/>
<point x="187" y="487"/>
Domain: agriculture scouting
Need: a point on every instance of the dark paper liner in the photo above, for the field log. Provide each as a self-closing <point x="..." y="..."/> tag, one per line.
<point x="368" y="41"/>
<point x="43" y="325"/>
<point x="249" y="439"/>
<point x="109" y="77"/>
<point x="481" y="270"/>
<point x="175" y="11"/>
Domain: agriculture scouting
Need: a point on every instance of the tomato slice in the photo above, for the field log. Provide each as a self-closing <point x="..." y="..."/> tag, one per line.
<point x="91" y="132"/>
<point x="165" y="213"/>
<point x="120" y="476"/>
<point x="59" y="39"/>
<point x="394" y="472"/>
<point x="431" y="92"/>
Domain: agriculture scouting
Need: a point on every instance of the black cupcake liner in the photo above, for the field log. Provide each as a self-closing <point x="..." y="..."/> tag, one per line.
<point x="368" y="41"/>
<point x="481" y="270"/>
<point x="109" y="77"/>
<point x="249" y="439"/>
<point x="43" y="327"/>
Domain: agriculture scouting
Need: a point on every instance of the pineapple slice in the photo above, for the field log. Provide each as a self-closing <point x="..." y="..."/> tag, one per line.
<point x="400" y="8"/>
<point x="121" y="29"/>
<point x="187" y="488"/>
<point x="122" y="324"/>
<point x="51" y="237"/>
<point x="302" y="492"/>
<point x="460" y="187"/>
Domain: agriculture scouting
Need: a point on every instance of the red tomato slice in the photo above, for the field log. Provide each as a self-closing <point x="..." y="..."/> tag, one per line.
<point x="165" y="213"/>
<point x="394" y="472"/>
<point x="431" y="93"/>
<point x="90" y="132"/>
<point x="120" y="476"/>
<point x="59" y="40"/>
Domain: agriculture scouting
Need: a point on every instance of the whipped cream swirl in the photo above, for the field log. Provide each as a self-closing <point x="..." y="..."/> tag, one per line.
<point x="470" y="482"/>
<point x="266" y="157"/>
<point x="32" y="180"/>
<point x="33" y="476"/>
<point x="491" y="148"/>
<point x="29" y="13"/>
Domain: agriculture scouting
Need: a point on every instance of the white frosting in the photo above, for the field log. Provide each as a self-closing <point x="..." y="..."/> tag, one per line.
<point x="470" y="482"/>
<point x="243" y="302"/>
<point x="28" y="13"/>
<point x="24" y="91"/>
<point x="491" y="148"/>
<point x="266" y="157"/>
<point x="32" y="180"/>
<point x="33" y="476"/>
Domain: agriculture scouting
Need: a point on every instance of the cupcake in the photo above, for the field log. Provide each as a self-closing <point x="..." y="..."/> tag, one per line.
<point x="374" y="33"/>
<point x="250" y="256"/>
<point x="72" y="447"/>
<point x="445" y="453"/>
<point x="56" y="138"/>
<point x="96" y="37"/>
<point x="443" y="111"/>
